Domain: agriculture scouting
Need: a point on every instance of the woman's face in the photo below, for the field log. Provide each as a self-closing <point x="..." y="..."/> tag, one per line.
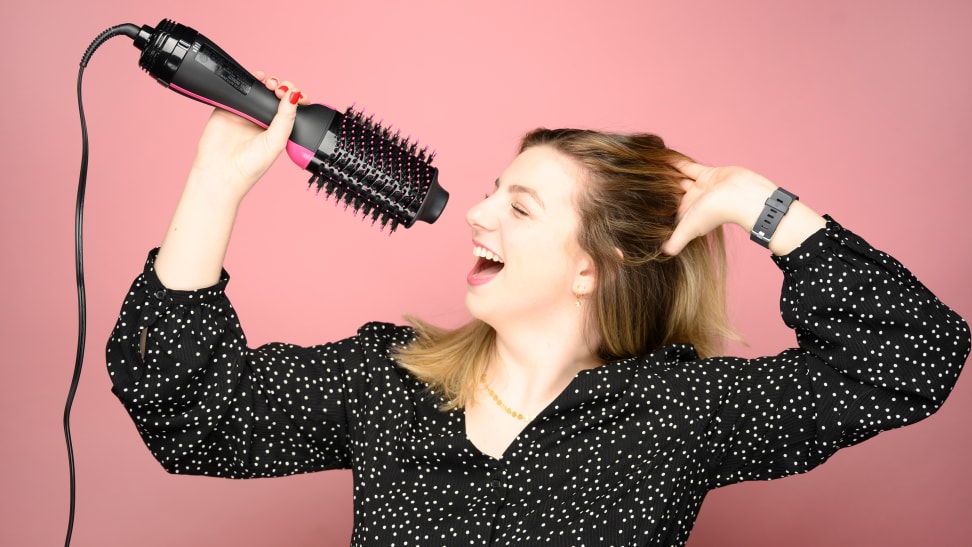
<point x="525" y="239"/>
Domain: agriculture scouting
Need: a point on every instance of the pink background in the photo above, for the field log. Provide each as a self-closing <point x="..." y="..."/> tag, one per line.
<point x="861" y="107"/>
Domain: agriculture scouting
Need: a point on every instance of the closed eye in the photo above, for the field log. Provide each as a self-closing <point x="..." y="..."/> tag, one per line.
<point x="518" y="209"/>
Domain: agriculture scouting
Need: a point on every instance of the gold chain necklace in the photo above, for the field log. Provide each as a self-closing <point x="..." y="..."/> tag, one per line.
<point x="508" y="410"/>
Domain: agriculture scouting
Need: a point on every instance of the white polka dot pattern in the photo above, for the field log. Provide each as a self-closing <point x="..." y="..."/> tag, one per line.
<point x="624" y="456"/>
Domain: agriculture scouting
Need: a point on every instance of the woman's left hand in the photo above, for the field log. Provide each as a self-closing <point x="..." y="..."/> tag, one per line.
<point x="715" y="196"/>
<point x="734" y="195"/>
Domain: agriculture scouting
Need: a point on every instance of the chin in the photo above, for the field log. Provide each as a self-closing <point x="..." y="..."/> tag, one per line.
<point x="471" y="306"/>
<point x="478" y="308"/>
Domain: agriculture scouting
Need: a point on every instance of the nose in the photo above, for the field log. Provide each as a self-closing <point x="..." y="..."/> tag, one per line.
<point x="479" y="216"/>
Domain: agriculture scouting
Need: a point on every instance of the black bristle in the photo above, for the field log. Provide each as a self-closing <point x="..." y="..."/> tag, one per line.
<point x="376" y="172"/>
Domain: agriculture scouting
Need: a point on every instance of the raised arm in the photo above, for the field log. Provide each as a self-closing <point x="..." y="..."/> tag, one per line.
<point x="877" y="350"/>
<point x="202" y="400"/>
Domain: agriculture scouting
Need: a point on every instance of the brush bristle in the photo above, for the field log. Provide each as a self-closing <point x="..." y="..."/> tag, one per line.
<point x="377" y="173"/>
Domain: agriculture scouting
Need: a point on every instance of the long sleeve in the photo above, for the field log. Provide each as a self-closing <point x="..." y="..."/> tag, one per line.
<point x="206" y="404"/>
<point x="877" y="351"/>
<point x="626" y="453"/>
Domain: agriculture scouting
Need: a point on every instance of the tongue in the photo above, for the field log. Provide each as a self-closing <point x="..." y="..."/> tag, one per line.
<point x="486" y="268"/>
<point x="490" y="267"/>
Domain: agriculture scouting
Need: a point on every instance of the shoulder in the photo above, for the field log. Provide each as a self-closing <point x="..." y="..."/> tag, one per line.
<point x="378" y="340"/>
<point x="679" y="367"/>
<point x="646" y="372"/>
<point x="664" y="360"/>
<point x="385" y="334"/>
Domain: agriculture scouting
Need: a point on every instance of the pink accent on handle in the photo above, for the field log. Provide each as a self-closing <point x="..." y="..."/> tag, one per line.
<point x="298" y="154"/>
<point x="214" y="103"/>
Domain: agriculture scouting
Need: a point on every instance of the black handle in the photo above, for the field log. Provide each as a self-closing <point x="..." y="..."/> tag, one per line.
<point x="189" y="63"/>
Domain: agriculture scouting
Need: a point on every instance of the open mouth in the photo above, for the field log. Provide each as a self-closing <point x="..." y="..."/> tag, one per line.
<point x="486" y="267"/>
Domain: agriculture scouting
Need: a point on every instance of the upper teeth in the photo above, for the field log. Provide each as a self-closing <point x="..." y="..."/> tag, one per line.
<point x="487" y="254"/>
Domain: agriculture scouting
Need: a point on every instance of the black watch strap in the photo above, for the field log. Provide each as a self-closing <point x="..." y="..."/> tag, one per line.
<point x="776" y="206"/>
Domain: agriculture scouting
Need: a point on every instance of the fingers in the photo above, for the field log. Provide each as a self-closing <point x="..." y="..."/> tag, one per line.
<point x="290" y="97"/>
<point x="287" y="91"/>
<point x="692" y="225"/>
<point x="672" y="247"/>
<point x="681" y="237"/>
<point x="283" y="123"/>
<point x="282" y="88"/>
<point x="690" y="169"/>
<point x="692" y="217"/>
<point x="683" y="233"/>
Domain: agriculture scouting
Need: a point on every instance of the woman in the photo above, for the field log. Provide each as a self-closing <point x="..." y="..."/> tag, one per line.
<point x="585" y="404"/>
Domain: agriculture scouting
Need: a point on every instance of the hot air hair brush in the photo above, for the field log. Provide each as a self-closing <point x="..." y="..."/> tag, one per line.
<point x="349" y="156"/>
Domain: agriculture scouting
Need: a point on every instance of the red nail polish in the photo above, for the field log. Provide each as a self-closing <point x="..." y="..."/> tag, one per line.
<point x="294" y="97"/>
<point x="284" y="89"/>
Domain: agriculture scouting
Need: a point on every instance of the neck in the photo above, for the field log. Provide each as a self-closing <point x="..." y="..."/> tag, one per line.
<point x="532" y="365"/>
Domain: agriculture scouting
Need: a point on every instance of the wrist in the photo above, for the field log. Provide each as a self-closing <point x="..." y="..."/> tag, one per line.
<point x="774" y="209"/>
<point x="790" y="227"/>
<point x="214" y="189"/>
<point x="752" y="194"/>
<point x="798" y="223"/>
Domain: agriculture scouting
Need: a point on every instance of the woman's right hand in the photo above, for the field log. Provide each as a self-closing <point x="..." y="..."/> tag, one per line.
<point x="234" y="153"/>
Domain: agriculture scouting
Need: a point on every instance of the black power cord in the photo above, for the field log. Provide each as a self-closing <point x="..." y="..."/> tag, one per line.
<point x="126" y="30"/>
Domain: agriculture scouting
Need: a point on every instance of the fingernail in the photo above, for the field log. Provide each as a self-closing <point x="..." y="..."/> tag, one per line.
<point x="284" y="89"/>
<point x="294" y="97"/>
<point x="272" y="81"/>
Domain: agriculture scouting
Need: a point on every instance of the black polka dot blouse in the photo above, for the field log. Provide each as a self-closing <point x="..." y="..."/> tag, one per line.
<point x="624" y="456"/>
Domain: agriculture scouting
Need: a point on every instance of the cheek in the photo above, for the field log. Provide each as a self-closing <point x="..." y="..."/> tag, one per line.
<point x="547" y="263"/>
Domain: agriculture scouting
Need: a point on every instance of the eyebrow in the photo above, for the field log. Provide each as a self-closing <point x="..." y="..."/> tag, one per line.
<point x="520" y="189"/>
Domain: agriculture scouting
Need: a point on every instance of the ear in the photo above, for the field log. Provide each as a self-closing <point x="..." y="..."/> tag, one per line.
<point x="585" y="280"/>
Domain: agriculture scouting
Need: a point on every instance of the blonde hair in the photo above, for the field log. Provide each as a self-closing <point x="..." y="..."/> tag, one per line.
<point x="643" y="299"/>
